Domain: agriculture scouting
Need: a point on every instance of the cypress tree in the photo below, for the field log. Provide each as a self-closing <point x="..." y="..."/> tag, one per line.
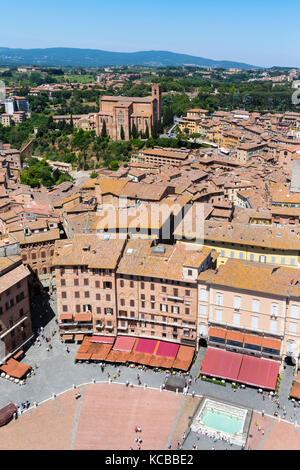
<point x="122" y="133"/>
<point x="103" y="132"/>
<point x="134" y="131"/>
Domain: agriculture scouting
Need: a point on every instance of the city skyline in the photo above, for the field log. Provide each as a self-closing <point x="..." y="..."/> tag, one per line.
<point x="266" y="32"/>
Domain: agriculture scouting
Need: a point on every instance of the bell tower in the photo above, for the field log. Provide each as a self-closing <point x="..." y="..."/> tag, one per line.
<point x="156" y="93"/>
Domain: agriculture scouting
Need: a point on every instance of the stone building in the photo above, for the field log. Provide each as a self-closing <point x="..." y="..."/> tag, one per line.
<point x="15" y="319"/>
<point x="122" y="112"/>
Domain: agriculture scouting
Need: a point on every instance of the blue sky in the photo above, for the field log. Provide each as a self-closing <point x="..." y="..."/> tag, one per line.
<point x="261" y="32"/>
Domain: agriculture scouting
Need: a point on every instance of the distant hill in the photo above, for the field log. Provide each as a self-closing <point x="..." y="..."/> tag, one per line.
<point x="62" y="56"/>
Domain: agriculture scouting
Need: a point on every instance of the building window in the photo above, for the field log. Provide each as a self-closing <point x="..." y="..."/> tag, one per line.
<point x="175" y="309"/>
<point x="121" y="283"/>
<point x="97" y="284"/>
<point x="131" y="303"/>
<point x="108" y="311"/>
<point x="188" y="293"/>
<point x="254" y="323"/>
<point x="273" y="326"/>
<point x="293" y="327"/>
<point x="76" y="282"/>
<point x="255" y="305"/>
<point x="65" y="308"/>
<point x="152" y="286"/>
<point x="64" y="295"/>
<point x="131" y="284"/>
<point x="219" y="315"/>
<point x="98" y="297"/>
<point x="77" y="295"/>
<point x="63" y="282"/>
<point x="274" y="309"/>
<point x="203" y="294"/>
<point x="273" y="259"/>
<point x="77" y="308"/>
<point x="122" y="302"/>
<point x="241" y="255"/>
<point x="236" y="319"/>
<point x="219" y="298"/>
<point x="187" y="311"/>
<point x="142" y="285"/>
<point x="202" y="310"/>
<point x="175" y="292"/>
<point x="294" y="311"/>
<point x="164" y="308"/>
<point x="237" y="302"/>
<point x="190" y="272"/>
<point x="251" y="257"/>
<point x="107" y="297"/>
<point x="164" y="289"/>
<point x="86" y="282"/>
<point x="232" y="254"/>
<point x="282" y="260"/>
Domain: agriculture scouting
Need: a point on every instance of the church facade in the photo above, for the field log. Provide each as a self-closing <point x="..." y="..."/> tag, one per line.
<point x="122" y="112"/>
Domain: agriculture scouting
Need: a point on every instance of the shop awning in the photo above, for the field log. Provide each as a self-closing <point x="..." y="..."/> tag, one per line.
<point x="67" y="337"/>
<point x="270" y="343"/>
<point x="15" y="369"/>
<point x="83" y="356"/>
<point x="19" y="354"/>
<point x="162" y="361"/>
<point x="102" y="339"/>
<point x="66" y="316"/>
<point x="167" y="349"/>
<point x="295" y="391"/>
<point x="253" y="339"/>
<point x="124" y="343"/>
<point x="220" y="363"/>
<point x="83" y="317"/>
<point x="217" y="332"/>
<point x="259" y="372"/>
<point x="118" y="356"/>
<point x="184" y="358"/>
<point x="146" y="346"/>
<point x="234" y="336"/>
<point x="78" y="337"/>
<point x="101" y="352"/>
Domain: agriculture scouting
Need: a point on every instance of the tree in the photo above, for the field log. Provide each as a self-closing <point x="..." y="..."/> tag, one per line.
<point x="134" y="131"/>
<point x="168" y="116"/>
<point x="94" y="175"/>
<point x="114" y="165"/>
<point x="154" y="130"/>
<point x="103" y="131"/>
<point x="147" y="131"/>
<point x="122" y="133"/>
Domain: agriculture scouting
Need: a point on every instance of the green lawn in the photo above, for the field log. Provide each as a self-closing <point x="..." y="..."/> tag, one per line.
<point x="78" y="78"/>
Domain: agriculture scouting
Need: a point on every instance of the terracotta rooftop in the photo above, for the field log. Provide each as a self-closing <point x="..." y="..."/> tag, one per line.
<point x="89" y="250"/>
<point x="278" y="281"/>
<point x="141" y="258"/>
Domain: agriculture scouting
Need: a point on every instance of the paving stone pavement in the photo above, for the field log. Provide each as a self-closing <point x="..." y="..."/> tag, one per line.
<point x="57" y="373"/>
